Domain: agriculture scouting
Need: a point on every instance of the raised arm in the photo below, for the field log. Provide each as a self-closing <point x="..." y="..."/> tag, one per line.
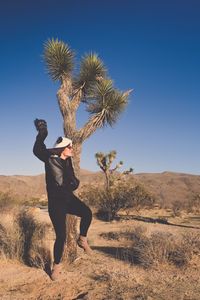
<point x="39" y="148"/>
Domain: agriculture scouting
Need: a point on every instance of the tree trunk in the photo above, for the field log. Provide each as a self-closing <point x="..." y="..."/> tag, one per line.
<point x="69" y="102"/>
<point x="68" y="111"/>
<point x="71" y="221"/>
<point x="77" y="148"/>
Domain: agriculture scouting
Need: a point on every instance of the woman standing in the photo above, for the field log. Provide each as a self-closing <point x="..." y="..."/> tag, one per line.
<point x="60" y="184"/>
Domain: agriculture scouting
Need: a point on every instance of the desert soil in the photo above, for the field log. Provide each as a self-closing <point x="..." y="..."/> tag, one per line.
<point x="105" y="274"/>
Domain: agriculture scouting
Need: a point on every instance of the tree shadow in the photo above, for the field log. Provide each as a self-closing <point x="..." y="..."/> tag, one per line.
<point x="41" y="260"/>
<point x="156" y="220"/>
<point x="47" y="267"/>
<point x="81" y="296"/>
<point x="45" y="260"/>
<point x="120" y="253"/>
<point x="194" y="218"/>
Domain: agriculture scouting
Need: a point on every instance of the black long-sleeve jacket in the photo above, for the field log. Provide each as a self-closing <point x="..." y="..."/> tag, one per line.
<point x="59" y="173"/>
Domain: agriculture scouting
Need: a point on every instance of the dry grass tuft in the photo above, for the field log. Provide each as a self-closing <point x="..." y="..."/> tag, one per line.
<point x="7" y="201"/>
<point x="158" y="248"/>
<point x="24" y="240"/>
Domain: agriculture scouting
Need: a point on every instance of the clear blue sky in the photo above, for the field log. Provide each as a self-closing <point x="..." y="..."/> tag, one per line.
<point x="150" y="46"/>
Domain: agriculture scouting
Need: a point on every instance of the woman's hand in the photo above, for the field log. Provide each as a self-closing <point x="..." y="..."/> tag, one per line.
<point x="74" y="183"/>
<point x="41" y="127"/>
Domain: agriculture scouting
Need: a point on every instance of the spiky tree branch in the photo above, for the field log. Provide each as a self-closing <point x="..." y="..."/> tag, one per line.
<point x="58" y="58"/>
<point x="63" y="96"/>
<point x="105" y="109"/>
<point x="77" y="97"/>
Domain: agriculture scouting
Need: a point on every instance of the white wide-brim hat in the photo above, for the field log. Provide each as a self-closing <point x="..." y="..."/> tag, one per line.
<point x="62" y="142"/>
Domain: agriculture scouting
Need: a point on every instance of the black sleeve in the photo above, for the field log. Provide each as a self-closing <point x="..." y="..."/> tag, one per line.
<point x="74" y="181"/>
<point x="40" y="150"/>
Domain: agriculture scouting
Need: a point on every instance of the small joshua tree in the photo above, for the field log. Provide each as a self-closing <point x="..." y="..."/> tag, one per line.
<point x="121" y="192"/>
<point x="104" y="161"/>
<point x="114" y="196"/>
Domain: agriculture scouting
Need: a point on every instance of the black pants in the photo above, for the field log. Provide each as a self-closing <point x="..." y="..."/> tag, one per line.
<point x="58" y="208"/>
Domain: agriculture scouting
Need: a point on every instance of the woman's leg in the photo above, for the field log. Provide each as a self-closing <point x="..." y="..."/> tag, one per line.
<point x="58" y="217"/>
<point x="80" y="209"/>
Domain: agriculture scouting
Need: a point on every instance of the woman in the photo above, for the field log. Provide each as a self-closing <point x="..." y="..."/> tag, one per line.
<point x="60" y="184"/>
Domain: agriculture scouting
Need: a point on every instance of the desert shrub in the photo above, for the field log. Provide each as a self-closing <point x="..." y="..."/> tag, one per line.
<point x="162" y="203"/>
<point x="110" y="235"/>
<point x="179" y="256"/>
<point x="129" y="234"/>
<point x="110" y="203"/>
<point x="140" y="197"/>
<point x="24" y="240"/>
<point x="196" y="201"/>
<point x="43" y="202"/>
<point x="10" y="242"/>
<point x="34" y="201"/>
<point x="169" y="248"/>
<point x="7" y="201"/>
<point x="177" y="207"/>
<point x="141" y="253"/>
<point x="90" y="194"/>
<point x="193" y="204"/>
<point x="5" y="243"/>
<point x="134" y="235"/>
<point x="192" y="241"/>
<point x="158" y="248"/>
<point x="122" y="195"/>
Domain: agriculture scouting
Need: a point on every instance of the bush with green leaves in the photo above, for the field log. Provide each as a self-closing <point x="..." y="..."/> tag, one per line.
<point x="90" y="194"/>
<point x="123" y="195"/>
<point x="119" y="192"/>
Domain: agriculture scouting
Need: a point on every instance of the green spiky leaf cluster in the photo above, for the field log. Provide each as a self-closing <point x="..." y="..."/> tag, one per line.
<point x="92" y="70"/>
<point x="58" y="58"/>
<point x="108" y="101"/>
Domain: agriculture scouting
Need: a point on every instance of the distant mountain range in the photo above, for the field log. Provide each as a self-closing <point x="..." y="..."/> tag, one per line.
<point x="166" y="186"/>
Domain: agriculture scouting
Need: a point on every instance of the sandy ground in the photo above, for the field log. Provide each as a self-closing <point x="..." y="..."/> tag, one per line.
<point x="104" y="275"/>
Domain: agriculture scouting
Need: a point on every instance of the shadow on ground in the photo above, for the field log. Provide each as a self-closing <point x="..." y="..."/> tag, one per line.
<point x="47" y="268"/>
<point x="156" y="220"/>
<point x="120" y="253"/>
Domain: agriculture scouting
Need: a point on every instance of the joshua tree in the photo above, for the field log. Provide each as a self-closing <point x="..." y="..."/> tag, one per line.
<point x="89" y="86"/>
<point x="104" y="161"/>
<point x="117" y="192"/>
